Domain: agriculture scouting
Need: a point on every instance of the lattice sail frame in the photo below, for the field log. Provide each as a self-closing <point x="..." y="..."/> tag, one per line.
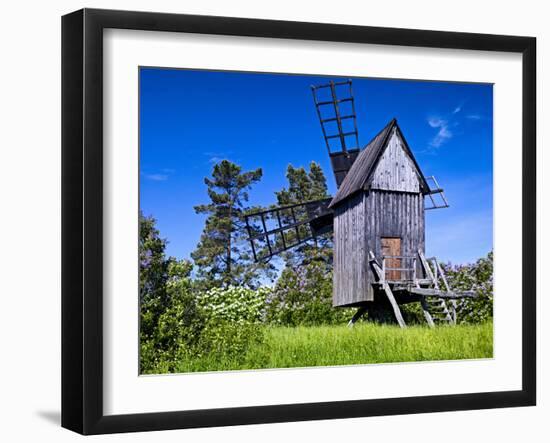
<point x="436" y="190"/>
<point x="335" y="114"/>
<point x="281" y="228"/>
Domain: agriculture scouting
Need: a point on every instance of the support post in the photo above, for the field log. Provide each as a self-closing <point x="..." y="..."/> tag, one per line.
<point x="394" y="305"/>
<point x="357" y="316"/>
<point x="387" y="290"/>
<point x="426" y="311"/>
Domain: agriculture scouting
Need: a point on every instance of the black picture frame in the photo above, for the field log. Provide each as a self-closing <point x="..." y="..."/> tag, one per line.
<point x="82" y="215"/>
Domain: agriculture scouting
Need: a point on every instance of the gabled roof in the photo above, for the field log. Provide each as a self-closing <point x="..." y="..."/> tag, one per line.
<point x="360" y="172"/>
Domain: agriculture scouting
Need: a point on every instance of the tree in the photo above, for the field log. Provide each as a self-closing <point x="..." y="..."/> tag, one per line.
<point x="167" y="307"/>
<point x="222" y="255"/>
<point x="304" y="186"/>
<point x="181" y="322"/>
<point x="153" y="274"/>
<point x="303" y="293"/>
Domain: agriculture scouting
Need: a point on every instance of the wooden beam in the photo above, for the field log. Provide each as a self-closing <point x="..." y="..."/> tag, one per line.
<point x="394" y="305"/>
<point x="443" y="276"/>
<point x="448" y="288"/>
<point x="267" y="235"/>
<point x="436" y="276"/>
<point x="376" y="266"/>
<point x="426" y="311"/>
<point x="281" y="228"/>
<point x="425" y="265"/>
<point x="249" y="232"/>
<point x="427" y="292"/>
<point x="387" y="290"/>
<point x="357" y="316"/>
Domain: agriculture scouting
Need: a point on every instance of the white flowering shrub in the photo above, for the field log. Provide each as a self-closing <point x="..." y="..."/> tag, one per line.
<point x="233" y="321"/>
<point x="238" y="305"/>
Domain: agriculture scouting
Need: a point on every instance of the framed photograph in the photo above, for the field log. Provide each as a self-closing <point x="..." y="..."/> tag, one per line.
<point x="269" y="221"/>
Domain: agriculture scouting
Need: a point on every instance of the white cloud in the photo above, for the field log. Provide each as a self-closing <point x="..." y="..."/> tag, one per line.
<point x="443" y="134"/>
<point x="447" y="126"/>
<point x="217" y="156"/>
<point x="436" y="122"/>
<point x="213" y="160"/>
<point x="156" y="177"/>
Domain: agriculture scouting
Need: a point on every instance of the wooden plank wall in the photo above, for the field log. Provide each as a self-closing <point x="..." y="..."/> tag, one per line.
<point x="350" y="273"/>
<point x="395" y="170"/>
<point x="392" y="207"/>
<point x="395" y="214"/>
<point x="359" y="224"/>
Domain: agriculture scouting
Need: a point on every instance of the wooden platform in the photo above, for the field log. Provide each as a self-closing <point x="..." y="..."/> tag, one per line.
<point x="431" y="290"/>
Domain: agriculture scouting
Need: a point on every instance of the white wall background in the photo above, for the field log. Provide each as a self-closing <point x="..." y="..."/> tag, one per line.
<point x="30" y="218"/>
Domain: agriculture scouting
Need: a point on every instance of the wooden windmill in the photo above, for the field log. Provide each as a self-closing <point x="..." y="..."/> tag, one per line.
<point x="376" y="218"/>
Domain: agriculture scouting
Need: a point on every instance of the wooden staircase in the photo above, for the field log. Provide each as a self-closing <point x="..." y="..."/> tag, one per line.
<point x="436" y="309"/>
<point x="437" y="300"/>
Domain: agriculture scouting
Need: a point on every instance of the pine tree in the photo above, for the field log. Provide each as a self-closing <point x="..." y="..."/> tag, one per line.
<point x="318" y="181"/>
<point x="222" y="255"/>
<point x="303" y="292"/>
<point x="153" y="265"/>
<point x="304" y="186"/>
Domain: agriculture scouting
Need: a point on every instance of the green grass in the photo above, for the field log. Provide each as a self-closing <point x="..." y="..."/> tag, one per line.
<point x="365" y="343"/>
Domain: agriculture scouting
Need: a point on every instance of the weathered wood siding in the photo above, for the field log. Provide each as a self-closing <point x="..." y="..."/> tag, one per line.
<point x="395" y="214"/>
<point x="350" y="257"/>
<point x="391" y="205"/>
<point x="360" y="222"/>
<point x="395" y="170"/>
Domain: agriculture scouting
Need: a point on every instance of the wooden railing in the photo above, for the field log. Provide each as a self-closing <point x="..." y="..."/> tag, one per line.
<point x="398" y="268"/>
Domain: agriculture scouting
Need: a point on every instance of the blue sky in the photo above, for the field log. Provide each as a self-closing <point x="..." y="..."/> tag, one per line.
<point x="191" y="119"/>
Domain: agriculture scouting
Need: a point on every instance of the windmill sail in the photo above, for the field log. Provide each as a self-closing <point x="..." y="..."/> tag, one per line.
<point x="436" y="195"/>
<point x="281" y="228"/>
<point x="335" y="107"/>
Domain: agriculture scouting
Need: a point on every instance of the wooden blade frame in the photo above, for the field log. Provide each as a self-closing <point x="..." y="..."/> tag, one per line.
<point x="279" y="229"/>
<point x="436" y="190"/>
<point x="333" y="103"/>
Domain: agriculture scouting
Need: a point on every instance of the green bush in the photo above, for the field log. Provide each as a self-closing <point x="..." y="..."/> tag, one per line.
<point x="218" y="324"/>
<point x="303" y="296"/>
<point x="479" y="278"/>
<point x="179" y="320"/>
<point x="178" y="323"/>
<point x="227" y="340"/>
<point x="476" y="276"/>
<point x="233" y="318"/>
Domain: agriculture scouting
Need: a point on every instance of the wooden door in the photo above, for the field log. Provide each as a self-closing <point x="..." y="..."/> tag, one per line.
<point x="391" y="247"/>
